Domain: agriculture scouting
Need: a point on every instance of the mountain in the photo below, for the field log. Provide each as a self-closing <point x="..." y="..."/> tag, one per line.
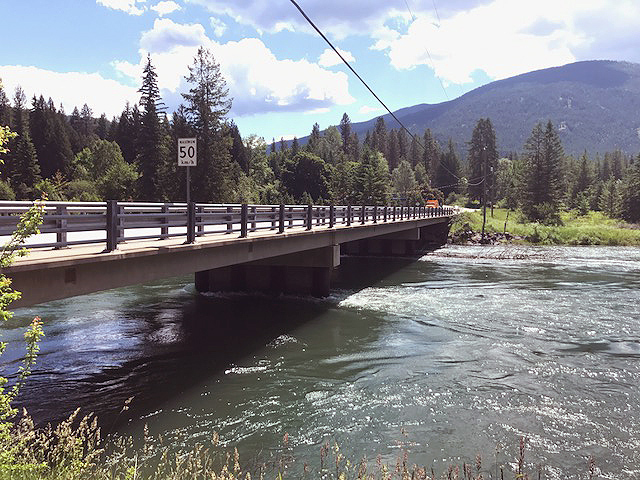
<point x="594" y="104"/>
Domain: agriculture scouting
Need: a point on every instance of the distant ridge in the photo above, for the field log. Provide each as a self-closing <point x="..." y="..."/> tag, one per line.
<point x="594" y="104"/>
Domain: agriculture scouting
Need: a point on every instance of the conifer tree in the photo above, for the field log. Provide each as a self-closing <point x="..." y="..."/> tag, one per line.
<point x="541" y="191"/>
<point x="153" y="141"/>
<point x="372" y="178"/>
<point x="313" y="144"/>
<point x="483" y="154"/>
<point x="207" y="104"/>
<point x="448" y="171"/>
<point x="22" y="167"/>
<point x="430" y="154"/>
<point x="345" y="132"/>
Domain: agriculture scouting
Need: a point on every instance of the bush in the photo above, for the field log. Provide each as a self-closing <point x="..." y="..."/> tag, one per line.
<point x="6" y="192"/>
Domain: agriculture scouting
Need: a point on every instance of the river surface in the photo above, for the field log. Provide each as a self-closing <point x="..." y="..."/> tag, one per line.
<point x="458" y="353"/>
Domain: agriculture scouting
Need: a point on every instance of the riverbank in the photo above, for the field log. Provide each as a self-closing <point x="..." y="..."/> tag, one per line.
<point x="505" y="226"/>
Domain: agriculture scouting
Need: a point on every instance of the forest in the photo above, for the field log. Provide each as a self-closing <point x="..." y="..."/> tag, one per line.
<point x="133" y="156"/>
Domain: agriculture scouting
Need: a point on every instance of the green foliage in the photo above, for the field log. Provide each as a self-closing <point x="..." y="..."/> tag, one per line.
<point x="306" y="173"/>
<point x="404" y="185"/>
<point x="372" y="179"/>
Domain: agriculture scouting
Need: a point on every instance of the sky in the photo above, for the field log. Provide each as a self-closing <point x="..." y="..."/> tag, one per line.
<point x="281" y="74"/>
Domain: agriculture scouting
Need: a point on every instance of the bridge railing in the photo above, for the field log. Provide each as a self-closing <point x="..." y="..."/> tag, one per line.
<point x="69" y="224"/>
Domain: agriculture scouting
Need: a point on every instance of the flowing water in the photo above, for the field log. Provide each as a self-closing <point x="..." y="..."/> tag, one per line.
<point x="458" y="353"/>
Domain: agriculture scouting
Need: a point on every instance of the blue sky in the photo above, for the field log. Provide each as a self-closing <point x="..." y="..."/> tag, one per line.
<point x="279" y="72"/>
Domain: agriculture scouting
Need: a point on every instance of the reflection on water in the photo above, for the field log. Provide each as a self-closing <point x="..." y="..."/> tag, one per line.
<point x="465" y="349"/>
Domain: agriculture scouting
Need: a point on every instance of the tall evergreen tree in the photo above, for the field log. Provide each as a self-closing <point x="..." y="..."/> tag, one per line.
<point x="345" y="132"/>
<point x="207" y="104"/>
<point x="22" y="167"/>
<point x="153" y="141"/>
<point x="630" y="190"/>
<point x="430" y="154"/>
<point x="483" y="153"/>
<point x="379" y="137"/>
<point x="372" y="178"/>
<point x="239" y="152"/>
<point x="313" y="144"/>
<point x="448" y="171"/>
<point x="541" y="192"/>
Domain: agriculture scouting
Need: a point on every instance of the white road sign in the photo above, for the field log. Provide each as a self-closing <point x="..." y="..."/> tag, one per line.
<point x="187" y="152"/>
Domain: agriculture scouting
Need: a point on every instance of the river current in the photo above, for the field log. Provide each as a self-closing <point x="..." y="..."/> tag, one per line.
<point x="456" y="354"/>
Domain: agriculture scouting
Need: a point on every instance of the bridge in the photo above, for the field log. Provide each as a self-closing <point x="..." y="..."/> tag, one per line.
<point x="86" y="247"/>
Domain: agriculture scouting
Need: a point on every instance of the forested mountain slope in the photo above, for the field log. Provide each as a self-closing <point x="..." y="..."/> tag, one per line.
<point x="594" y="104"/>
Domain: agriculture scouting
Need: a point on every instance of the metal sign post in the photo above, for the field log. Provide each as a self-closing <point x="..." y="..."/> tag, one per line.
<point x="188" y="157"/>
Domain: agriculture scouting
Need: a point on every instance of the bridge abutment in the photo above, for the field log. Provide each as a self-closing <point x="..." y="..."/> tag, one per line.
<point x="302" y="273"/>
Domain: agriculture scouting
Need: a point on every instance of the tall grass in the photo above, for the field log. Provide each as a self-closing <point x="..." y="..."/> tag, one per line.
<point x="594" y="228"/>
<point x="75" y="450"/>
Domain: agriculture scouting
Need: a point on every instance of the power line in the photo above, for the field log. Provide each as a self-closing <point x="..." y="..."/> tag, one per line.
<point x="295" y="4"/>
<point x="433" y="67"/>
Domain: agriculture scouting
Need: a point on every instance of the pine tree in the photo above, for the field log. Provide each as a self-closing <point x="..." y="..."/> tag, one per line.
<point x="483" y="154"/>
<point x="153" y="141"/>
<point x="102" y="129"/>
<point x="379" y="137"/>
<point x="372" y="178"/>
<point x="393" y="150"/>
<point x="430" y="154"/>
<point x="630" y="192"/>
<point x="22" y="167"/>
<point x="345" y="132"/>
<point x="239" y="153"/>
<point x="448" y="171"/>
<point x="207" y="104"/>
<point x="541" y="190"/>
<point x="313" y="144"/>
<point x="125" y="134"/>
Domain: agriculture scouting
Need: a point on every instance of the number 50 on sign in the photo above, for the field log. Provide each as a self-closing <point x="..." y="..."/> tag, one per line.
<point x="187" y="152"/>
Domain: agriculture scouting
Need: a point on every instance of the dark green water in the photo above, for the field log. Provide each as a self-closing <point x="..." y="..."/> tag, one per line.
<point x="445" y="357"/>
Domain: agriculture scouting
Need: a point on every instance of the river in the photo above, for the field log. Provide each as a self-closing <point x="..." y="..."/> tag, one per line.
<point x="458" y="353"/>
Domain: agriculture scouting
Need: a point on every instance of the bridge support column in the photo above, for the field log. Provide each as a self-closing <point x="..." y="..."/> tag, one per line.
<point x="303" y="273"/>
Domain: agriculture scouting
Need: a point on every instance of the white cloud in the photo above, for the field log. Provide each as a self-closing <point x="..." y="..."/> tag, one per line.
<point x="219" y="27"/>
<point x="505" y="38"/>
<point x="166" y="34"/>
<point x="336" y="17"/>
<point x="72" y="89"/>
<point x="128" y="6"/>
<point x="366" y="109"/>
<point x="166" y="7"/>
<point x="329" y="58"/>
<point x="257" y="80"/>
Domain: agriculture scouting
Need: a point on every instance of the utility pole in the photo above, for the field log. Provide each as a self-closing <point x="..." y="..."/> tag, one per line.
<point x="484" y="189"/>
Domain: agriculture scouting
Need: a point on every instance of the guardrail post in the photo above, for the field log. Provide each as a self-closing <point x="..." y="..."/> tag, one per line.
<point x="244" y="216"/>
<point x="253" y="218"/>
<point x="112" y="225"/>
<point x="375" y="214"/>
<point x="348" y="215"/>
<point x="229" y="220"/>
<point x="164" y="229"/>
<point x="61" y="224"/>
<point x="332" y="216"/>
<point x="414" y="211"/>
<point x="384" y="214"/>
<point x="200" y="210"/>
<point x="363" y="215"/>
<point x="281" y="219"/>
<point x="394" y="213"/>
<point x="273" y="218"/>
<point x="191" y="222"/>
<point x="309" y="219"/>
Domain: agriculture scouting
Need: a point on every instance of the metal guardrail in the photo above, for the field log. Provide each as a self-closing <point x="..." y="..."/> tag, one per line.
<point x="112" y="222"/>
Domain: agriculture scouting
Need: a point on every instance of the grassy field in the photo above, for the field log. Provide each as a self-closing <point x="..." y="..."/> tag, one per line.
<point x="594" y="228"/>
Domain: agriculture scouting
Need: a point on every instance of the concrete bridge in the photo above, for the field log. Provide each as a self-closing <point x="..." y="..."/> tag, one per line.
<point x="92" y="246"/>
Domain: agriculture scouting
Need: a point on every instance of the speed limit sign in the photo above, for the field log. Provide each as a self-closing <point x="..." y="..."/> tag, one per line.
<point x="187" y="152"/>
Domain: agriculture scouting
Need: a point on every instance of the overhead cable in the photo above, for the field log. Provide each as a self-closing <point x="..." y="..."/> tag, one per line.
<point x="295" y="4"/>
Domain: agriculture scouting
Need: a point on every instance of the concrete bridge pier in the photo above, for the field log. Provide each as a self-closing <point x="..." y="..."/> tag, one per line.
<point x="304" y="273"/>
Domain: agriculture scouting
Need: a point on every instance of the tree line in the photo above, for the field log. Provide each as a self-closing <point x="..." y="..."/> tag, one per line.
<point x="134" y="157"/>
